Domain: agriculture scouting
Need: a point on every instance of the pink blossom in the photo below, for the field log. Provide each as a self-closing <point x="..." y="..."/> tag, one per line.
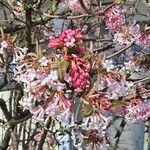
<point x="143" y="39"/>
<point x="127" y="34"/>
<point x="26" y="102"/>
<point x="108" y="65"/>
<point x="79" y="73"/>
<point x="114" y="18"/>
<point x="52" y="81"/>
<point x="38" y="135"/>
<point x="57" y="105"/>
<point x="53" y="109"/>
<point x="66" y="39"/>
<point x="4" y="45"/>
<point x="55" y="43"/>
<point x="38" y="113"/>
<point x="51" y="139"/>
<point x="74" y="5"/>
<point x="137" y="112"/>
<point x="44" y="62"/>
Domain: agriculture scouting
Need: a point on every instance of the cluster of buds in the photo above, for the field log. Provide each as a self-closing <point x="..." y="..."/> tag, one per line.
<point x="67" y="39"/>
<point x="78" y="75"/>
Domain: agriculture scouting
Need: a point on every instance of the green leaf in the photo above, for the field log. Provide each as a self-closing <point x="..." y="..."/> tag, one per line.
<point x="71" y="50"/>
<point x="87" y="110"/>
<point x="85" y="142"/>
<point x="62" y="68"/>
<point x="117" y="103"/>
<point x="128" y="74"/>
<point x="26" y="7"/>
<point x="53" y="6"/>
<point x="87" y="56"/>
<point x="12" y="2"/>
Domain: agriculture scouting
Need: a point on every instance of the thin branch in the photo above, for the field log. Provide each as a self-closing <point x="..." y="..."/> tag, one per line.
<point x="40" y="146"/>
<point x="2" y="121"/>
<point x="118" y="134"/>
<point x="15" y="122"/>
<point x="99" y="13"/>
<point x="84" y="7"/>
<point x="103" y="48"/>
<point x="5" y="142"/>
<point x="118" y="52"/>
<point x="5" y="109"/>
<point x="90" y="12"/>
<point x="142" y="80"/>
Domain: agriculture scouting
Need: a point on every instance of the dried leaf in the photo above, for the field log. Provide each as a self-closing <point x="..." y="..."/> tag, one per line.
<point x="118" y="2"/>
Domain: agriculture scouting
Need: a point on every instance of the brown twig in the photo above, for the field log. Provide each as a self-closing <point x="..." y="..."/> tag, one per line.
<point x="40" y="146"/>
<point x="100" y="13"/>
<point x="118" y="52"/>
<point x="84" y="7"/>
<point x="142" y="80"/>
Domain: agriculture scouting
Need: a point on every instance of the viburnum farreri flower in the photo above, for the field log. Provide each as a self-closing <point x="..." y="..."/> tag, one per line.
<point x="66" y="39"/>
<point x="143" y="39"/>
<point x="137" y="112"/>
<point x="78" y="75"/>
<point x="74" y="5"/>
<point x="114" y="19"/>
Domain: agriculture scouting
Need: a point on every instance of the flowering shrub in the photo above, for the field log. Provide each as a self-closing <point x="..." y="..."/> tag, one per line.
<point x="83" y="90"/>
<point x="47" y="80"/>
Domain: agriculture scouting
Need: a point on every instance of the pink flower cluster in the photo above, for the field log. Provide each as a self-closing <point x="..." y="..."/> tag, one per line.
<point x="50" y="138"/>
<point x="111" y="94"/>
<point x="68" y="39"/>
<point x="144" y="39"/>
<point x="78" y="75"/>
<point x="114" y="19"/>
<point x="54" y="107"/>
<point x="101" y="103"/>
<point x="74" y="5"/>
<point x="38" y="82"/>
<point x="125" y="33"/>
<point x="18" y="52"/>
<point x="137" y="112"/>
